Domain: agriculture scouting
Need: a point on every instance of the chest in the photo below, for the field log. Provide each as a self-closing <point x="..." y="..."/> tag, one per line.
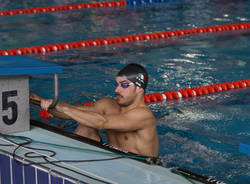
<point x="121" y="138"/>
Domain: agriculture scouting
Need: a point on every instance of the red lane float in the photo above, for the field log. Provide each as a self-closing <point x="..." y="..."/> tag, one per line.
<point x="182" y="93"/>
<point x="122" y="39"/>
<point x="64" y="8"/>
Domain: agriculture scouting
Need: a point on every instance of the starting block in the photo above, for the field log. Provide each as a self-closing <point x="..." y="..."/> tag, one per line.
<point x="14" y="90"/>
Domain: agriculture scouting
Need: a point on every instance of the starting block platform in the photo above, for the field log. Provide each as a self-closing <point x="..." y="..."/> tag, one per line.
<point x="14" y="90"/>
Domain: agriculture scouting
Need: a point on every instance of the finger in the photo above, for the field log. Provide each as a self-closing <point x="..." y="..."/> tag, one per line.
<point x="45" y="104"/>
<point x="35" y="97"/>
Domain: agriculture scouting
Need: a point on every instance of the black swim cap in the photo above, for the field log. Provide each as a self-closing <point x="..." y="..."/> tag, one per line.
<point x="136" y="74"/>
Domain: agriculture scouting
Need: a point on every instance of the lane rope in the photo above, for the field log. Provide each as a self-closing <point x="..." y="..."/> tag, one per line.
<point x="104" y="4"/>
<point x="123" y="39"/>
<point x="182" y="93"/>
<point x="64" y="8"/>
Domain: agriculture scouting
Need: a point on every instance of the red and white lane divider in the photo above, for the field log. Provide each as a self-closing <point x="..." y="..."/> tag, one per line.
<point x="182" y="93"/>
<point x="64" y="8"/>
<point x="123" y="39"/>
<point x="196" y="91"/>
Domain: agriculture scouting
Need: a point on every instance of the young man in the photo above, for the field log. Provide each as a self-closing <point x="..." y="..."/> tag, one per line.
<point x="129" y="123"/>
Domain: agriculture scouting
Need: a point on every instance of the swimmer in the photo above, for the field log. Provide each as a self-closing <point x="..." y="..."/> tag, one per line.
<point x="129" y="123"/>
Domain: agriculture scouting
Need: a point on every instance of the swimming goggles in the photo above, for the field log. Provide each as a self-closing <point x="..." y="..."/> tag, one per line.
<point x="123" y="85"/>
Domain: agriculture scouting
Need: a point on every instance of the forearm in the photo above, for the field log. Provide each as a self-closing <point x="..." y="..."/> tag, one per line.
<point x="57" y="114"/>
<point x="84" y="115"/>
<point x="86" y="118"/>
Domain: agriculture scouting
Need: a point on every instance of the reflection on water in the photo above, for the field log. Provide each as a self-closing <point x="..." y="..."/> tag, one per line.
<point x="206" y="131"/>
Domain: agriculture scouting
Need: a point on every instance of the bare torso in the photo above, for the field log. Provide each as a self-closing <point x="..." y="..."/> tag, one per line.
<point x="143" y="141"/>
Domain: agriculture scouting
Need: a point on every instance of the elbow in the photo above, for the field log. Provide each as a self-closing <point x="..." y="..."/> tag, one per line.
<point x="100" y="125"/>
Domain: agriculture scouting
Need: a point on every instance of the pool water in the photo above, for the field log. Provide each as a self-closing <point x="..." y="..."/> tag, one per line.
<point x="201" y="134"/>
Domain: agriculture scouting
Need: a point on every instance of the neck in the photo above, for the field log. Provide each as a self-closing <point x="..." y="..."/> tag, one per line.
<point x="138" y="102"/>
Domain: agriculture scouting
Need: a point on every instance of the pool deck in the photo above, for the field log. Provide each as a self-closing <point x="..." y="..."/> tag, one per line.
<point x="123" y="170"/>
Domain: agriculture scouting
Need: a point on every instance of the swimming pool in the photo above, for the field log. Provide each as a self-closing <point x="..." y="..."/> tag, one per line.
<point x="202" y="134"/>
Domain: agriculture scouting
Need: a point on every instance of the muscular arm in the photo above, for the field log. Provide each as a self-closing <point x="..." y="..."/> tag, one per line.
<point x="132" y="120"/>
<point x="135" y="119"/>
<point x="95" y="117"/>
<point x="86" y="118"/>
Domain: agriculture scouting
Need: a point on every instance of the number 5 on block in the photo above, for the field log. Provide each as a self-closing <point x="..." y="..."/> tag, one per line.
<point x="14" y="104"/>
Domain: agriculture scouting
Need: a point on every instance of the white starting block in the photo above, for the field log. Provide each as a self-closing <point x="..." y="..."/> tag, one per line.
<point x="14" y="90"/>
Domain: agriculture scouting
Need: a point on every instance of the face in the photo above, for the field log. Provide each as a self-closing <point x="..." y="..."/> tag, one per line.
<point x="125" y="91"/>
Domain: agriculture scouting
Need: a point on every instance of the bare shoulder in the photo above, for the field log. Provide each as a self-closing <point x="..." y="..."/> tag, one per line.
<point x="107" y="101"/>
<point x="143" y="110"/>
<point x="101" y="106"/>
<point x="106" y="105"/>
<point x="144" y="114"/>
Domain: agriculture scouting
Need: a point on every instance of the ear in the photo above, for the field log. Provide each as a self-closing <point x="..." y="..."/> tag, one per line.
<point x="139" y="90"/>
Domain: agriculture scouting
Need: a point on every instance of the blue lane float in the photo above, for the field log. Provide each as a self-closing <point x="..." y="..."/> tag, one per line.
<point x="141" y="2"/>
<point x="244" y="148"/>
